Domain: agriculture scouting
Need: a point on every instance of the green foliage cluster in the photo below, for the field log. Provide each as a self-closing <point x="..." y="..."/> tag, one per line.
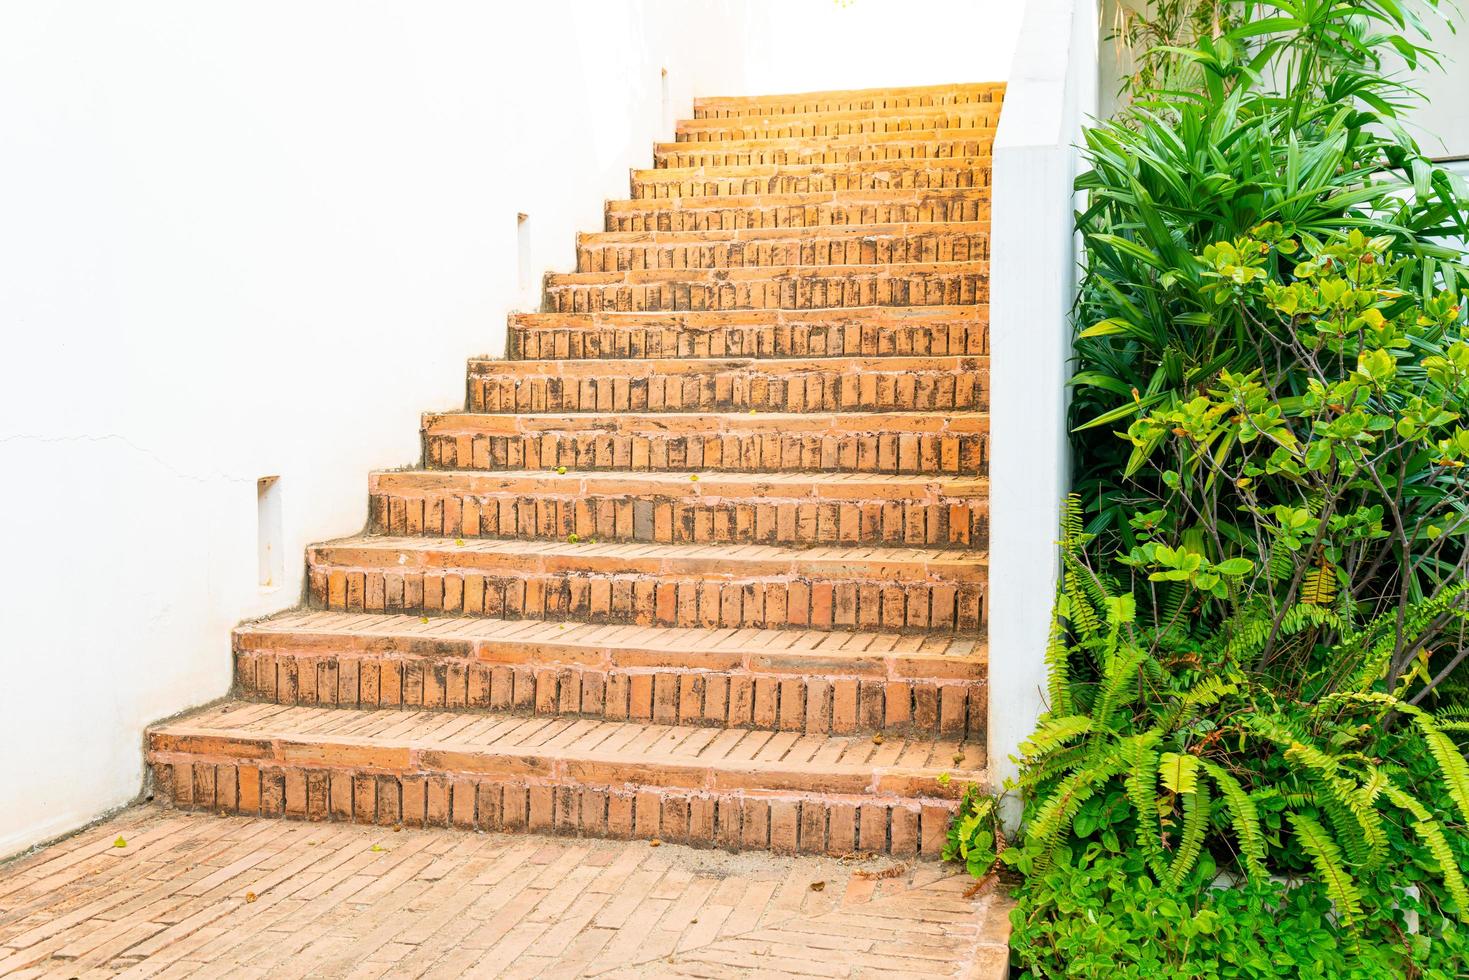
<point x="1248" y="767"/>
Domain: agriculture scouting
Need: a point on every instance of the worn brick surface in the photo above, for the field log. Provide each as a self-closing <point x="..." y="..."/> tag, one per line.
<point x="701" y="560"/>
<point x="199" y="895"/>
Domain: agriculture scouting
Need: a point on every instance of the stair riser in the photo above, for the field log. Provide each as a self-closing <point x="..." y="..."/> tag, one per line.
<point x="943" y="522"/>
<point x="962" y="454"/>
<point x="857" y="124"/>
<point x="831" y="601"/>
<point x="903" y="176"/>
<point x="594" y="255"/>
<point x="837" y="388"/>
<point x="756" y="153"/>
<point x="740" y="216"/>
<point x="829" y="704"/>
<point x="918" y="98"/>
<point x="779" y="289"/>
<point x="783" y="823"/>
<point x="603" y="340"/>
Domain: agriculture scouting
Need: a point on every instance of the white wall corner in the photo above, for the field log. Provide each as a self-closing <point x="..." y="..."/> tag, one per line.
<point x="1033" y="276"/>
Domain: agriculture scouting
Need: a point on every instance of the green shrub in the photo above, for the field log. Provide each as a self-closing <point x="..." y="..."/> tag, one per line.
<point x="1265" y="591"/>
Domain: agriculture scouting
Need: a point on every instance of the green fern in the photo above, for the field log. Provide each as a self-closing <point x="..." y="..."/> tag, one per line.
<point x="1245" y="819"/>
<point x="1054" y="816"/>
<point x="1141" y="782"/>
<point x="1191" y="841"/>
<point x="1058" y="668"/>
<point x="1327" y="859"/>
<point x="1432" y="836"/>
<point x="1055" y="733"/>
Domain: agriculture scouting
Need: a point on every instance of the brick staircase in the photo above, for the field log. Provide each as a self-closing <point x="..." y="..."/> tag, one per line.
<point x="703" y="559"/>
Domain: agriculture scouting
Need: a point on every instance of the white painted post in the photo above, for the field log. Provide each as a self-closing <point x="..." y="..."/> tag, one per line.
<point x="1033" y="275"/>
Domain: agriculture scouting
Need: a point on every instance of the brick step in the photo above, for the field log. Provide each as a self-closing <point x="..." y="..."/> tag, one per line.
<point x="841" y="100"/>
<point x="916" y="144"/>
<point x="671" y="508"/>
<point x="736" y="788"/>
<point x="794" y="384"/>
<point x="828" y="245"/>
<point x="847" y="442"/>
<point x="769" y="287"/>
<point x="807" y="209"/>
<point x="951" y="173"/>
<point x="808" y="681"/>
<point x="830" y="587"/>
<point x="866" y="332"/>
<point x="844" y="122"/>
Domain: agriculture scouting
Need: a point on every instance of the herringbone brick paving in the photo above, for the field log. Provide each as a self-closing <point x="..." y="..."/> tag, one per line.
<point x="197" y="896"/>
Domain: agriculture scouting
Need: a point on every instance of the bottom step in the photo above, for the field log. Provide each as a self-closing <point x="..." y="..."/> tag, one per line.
<point x="735" y="788"/>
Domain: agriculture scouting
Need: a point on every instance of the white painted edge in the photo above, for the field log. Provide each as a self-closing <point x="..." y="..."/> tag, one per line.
<point x="1033" y="275"/>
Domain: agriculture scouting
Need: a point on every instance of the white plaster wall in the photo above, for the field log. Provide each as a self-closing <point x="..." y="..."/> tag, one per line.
<point x="250" y="239"/>
<point x="1052" y="92"/>
<point x="802" y="45"/>
<point x="1441" y="122"/>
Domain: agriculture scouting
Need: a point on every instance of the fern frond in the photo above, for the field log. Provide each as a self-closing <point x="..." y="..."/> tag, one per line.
<point x="1141" y="782"/>
<point x="1451" y="763"/>
<point x="1058" y="668"/>
<point x="1122" y="672"/>
<point x="1432" y="836"/>
<point x="1245" y="820"/>
<point x="1327" y="859"/>
<point x="1038" y="772"/>
<point x="1056" y="813"/>
<point x="1358" y="824"/>
<point x="1053" y="734"/>
<point x="1191" y="841"/>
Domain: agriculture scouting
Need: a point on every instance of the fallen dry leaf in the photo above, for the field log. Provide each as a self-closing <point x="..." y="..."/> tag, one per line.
<point x="891" y="871"/>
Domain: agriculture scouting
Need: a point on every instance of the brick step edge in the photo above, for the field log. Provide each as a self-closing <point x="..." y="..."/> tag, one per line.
<point x="834" y="603"/>
<point x="769" y="288"/>
<point x="605" y="337"/>
<point x="815" y="705"/>
<point x="674" y="216"/>
<point x="908" y="96"/>
<point x="831" y="384"/>
<point x="666" y="517"/>
<point x="785" y="823"/>
<point x="849" y="245"/>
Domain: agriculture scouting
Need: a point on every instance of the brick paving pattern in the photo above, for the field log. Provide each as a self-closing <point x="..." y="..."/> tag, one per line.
<point x="194" y="895"/>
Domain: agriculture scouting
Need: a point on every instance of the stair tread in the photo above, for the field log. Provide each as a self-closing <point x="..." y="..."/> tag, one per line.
<point x="775" y="484"/>
<point x="593" y="751"/>
<point x="984" y="109"/>
<point x="766" y="558"/>
<point x="776" y="317"/>
<point x="692" y="422"/>
<point x="870" y="652"/>
<point x="713" y="171"/>
<point x="827" y="95"/>
<point x="797" y="232"/>
<point x="902" y="136"/>
<point x="894" y="269"/>
<point x="847" y="198"/>
<point x="850" y="363"/>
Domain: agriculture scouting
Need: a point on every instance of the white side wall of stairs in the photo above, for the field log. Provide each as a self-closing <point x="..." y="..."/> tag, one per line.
<point x="1051" y="93"/>
<point x="255" y="240"/>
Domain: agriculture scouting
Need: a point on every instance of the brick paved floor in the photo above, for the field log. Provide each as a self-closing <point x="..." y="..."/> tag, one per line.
<point x="194" y="895"/>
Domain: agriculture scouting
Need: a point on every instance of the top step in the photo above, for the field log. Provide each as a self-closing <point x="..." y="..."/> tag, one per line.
<point x="978" y="116"/>
<point x="723" y="107"/>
